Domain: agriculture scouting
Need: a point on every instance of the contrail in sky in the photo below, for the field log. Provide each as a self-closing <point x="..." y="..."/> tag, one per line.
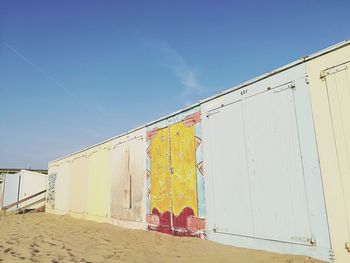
<point x="48" y="76"/>
<point x="57" y="84"/>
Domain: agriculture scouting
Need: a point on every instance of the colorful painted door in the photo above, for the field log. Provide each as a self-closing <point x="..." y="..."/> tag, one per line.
<point x="183" y="173"/>
<point x="173" y="172"/>
<point x="160" y="180"/>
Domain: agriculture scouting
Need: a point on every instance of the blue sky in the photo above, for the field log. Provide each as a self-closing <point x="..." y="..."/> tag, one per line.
<point x="73" y="73"/>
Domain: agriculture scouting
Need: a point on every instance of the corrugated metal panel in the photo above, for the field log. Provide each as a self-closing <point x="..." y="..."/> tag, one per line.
<point x="260" y="181"/>
<point x="128" y="179"/>
<point x="329" y="89"/>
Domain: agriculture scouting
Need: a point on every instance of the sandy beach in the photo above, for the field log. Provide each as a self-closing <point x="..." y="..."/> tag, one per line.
<point x="42" y="237"/>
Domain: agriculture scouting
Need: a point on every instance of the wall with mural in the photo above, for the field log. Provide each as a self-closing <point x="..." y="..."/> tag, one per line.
<point x="175" y="177"/>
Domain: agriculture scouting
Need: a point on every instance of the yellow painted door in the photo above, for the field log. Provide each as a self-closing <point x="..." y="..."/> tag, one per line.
<point x="160" y="167"/>
<point x="183" y="161"/>
<point x="98" y="198"/>
<point x="338" y="90"/>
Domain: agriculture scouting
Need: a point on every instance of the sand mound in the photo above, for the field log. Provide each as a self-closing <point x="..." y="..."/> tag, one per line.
<point x="41" y="237"/>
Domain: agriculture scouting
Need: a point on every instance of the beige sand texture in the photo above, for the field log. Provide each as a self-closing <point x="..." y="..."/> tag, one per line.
<point x="42" y="237"/>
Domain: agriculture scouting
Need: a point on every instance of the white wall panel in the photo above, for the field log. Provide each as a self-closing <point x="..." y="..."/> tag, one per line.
<point x="79" y="184"/>
<point x="32" y="183"/>
<point x="11" y="189"/>
<point x="63" y="185"/>
<point x="128" y="159"/>
<point x="263" y="185"/>
<point x="231" y="185"/>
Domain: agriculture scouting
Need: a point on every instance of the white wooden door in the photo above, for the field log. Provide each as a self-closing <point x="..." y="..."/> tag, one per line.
<point x="256" y="168"/>
<point x="229" y="170"/>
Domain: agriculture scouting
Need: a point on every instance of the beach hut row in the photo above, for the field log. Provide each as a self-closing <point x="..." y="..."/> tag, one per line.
<point x="264" y="165"/>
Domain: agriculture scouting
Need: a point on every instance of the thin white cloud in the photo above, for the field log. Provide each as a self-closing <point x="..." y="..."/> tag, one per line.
<point x="186" y="75"/>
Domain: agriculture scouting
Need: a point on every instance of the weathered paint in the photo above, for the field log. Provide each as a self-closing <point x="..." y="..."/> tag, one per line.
<point x="183" y="160"/>
<point x="94" y="184"/>
<point x="160" y="166"/>
<point x="51" y="189"/>
<point x="329" y="77"/>
<point x="128" y="175"/>
<point x="263" y="183"/>
<point x="175" y="187"/>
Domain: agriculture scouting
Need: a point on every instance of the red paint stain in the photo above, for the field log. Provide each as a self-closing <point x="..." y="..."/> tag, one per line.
<point x="193" y="119"/>
<point x="151" y="134"/>
<point x="185" y="224"/>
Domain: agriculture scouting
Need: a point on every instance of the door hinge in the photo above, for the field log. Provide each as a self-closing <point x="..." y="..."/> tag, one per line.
<point x="326" y="72"/>
<point x="347" y="246"/>
<point x="292" y="85"/>
<point x="308" y="240"/>
<point x="212" y="112"/>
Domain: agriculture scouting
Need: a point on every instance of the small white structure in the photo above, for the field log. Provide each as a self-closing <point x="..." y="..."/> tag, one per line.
<point x="21" y="185"/>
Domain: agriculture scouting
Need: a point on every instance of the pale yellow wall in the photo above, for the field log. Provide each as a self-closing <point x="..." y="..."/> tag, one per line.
<point x="63" y="187"/>
<point x="99" y="187"/>
<point x="84" y="187"/>
<point x="79" y="184"/>
<point x="336" y="182"/>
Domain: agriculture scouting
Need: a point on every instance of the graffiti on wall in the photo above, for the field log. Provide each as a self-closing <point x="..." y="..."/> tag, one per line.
<point x="175" y="200"/>
<point x="51" y="191"/>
